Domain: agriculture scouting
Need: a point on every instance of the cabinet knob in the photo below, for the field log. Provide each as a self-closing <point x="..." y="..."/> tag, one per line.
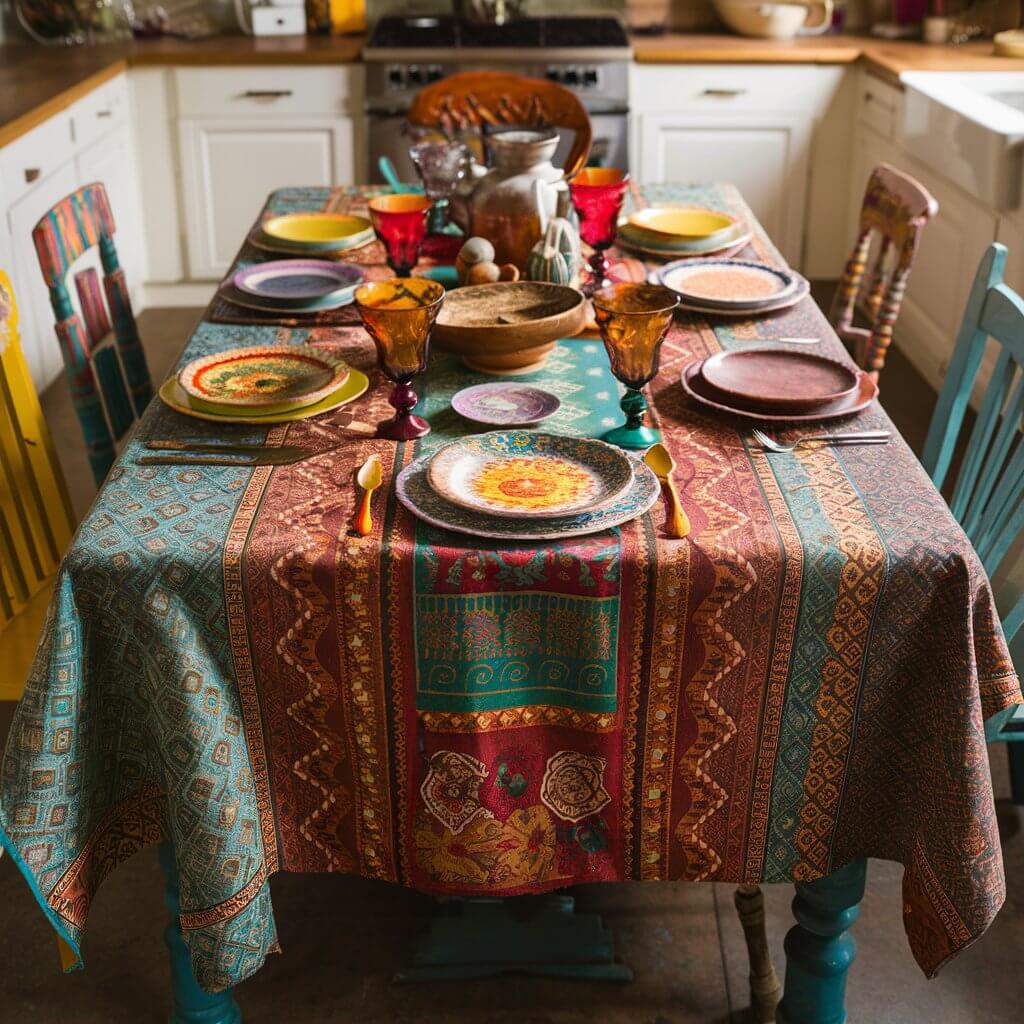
<point x="266" y="94"/>
<point x="104" y="113"/>
<point x="723" y="94"/>
<point x="32" y="174"/>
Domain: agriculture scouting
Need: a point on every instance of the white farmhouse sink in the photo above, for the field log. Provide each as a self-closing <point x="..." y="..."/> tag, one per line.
<point x="969" y="126"/>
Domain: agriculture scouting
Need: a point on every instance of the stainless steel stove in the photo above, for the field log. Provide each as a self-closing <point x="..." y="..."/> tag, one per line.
<point x="590" y="56"/>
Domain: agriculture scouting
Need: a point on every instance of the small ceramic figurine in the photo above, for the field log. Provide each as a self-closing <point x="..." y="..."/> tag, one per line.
<point x="475" y="264"/>
<point x="556" y="257"/>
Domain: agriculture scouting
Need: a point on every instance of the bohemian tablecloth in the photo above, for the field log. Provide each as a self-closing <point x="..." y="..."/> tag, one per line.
<point x="800" y="683"/>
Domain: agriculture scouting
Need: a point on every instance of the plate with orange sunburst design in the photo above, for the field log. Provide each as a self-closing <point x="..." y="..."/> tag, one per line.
<point x="526" y="475"/>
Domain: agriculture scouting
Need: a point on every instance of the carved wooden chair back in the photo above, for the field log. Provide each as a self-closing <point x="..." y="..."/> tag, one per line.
<point x="988" y="494"/>
<point x="896" y="208"/>
<point x="36" y="520"/>
<point x="103" y="358"/>
<point x="488" y="99"/>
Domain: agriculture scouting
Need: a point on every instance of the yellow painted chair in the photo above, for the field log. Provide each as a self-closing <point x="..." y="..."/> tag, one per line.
<point x="36" y="520"/>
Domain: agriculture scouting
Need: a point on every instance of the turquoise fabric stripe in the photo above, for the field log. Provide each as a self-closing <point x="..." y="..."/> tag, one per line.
<point x="817" y="609"/>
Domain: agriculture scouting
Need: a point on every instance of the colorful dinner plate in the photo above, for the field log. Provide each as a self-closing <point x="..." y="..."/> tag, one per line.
<point x="526" y="475"/>
<point x="728" y="284"/>
<point x="415" y="493"/>
<point x="778" y="379"/>
<point x="265" y="243"/>
<point x="297" y="282"/>
<point x="669" y="224"/>
<point x="172" y="395"/>
<point x="342" y="297"/>
<point x="315" y="230"/>
<point x="695" y="386"/>
<point x="732" y="242"/>
<point x="501" y="404"/>
<point x="262" y="379"/>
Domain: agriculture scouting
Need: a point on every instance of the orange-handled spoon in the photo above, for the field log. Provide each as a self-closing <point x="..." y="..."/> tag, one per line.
<point x="658" y="458"/>
<point x="368" y="478"/>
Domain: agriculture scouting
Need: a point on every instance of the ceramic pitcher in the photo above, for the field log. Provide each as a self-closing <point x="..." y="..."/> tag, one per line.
<point x="512" y="203"/>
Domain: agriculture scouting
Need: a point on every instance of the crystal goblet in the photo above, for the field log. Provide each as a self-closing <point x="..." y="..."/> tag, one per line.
<point x="398" y="314"/>
<point x="633" y="320"/>
<point x="442" y="165"/>
<point x="400" y="221"/>
<point x="597" y="194"/>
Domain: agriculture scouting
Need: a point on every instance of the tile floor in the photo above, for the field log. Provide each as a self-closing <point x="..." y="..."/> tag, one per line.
<point x="343" y="938"/>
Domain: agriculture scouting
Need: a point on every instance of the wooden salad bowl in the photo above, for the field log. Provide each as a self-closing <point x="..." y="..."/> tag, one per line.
<point x="509" y="326"/>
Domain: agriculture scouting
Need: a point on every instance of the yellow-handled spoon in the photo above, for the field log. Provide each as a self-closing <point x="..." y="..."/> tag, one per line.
<point x="369" y="478"/>
<point x="658" y="458"/>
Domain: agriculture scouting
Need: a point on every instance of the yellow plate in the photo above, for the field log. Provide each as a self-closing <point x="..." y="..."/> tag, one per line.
<point x="319" y="229"/>
<point x="172" y="394"/>
<point x="666" y="223"/>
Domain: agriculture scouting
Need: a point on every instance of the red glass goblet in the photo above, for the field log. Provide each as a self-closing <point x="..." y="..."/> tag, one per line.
<point x="399" y="314"/>
<point x="597" y="193"/>
<point x="401" y="224"/>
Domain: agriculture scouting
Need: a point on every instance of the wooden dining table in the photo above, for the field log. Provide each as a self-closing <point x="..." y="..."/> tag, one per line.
<point x="798" y="685"/>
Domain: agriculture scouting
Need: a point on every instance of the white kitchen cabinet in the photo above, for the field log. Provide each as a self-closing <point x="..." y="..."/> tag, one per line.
<point x="950" y="248"/>
<point x="111" y="161"/>
<point x="230" y="166"/>
<point x="244" y="132"/>
<point x="765" y="156"/>
<point x="42" y="351"/>
<point x="753" y="127"/>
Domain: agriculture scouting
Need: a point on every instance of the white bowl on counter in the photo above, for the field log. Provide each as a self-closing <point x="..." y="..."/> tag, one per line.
<point x="775" y="21"/>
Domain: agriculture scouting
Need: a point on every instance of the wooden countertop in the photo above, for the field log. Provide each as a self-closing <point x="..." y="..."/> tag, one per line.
<point x="888" y="58"/>
<point x="37" y="82"/>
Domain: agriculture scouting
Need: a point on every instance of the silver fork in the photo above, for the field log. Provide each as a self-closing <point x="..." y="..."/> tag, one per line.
<point x="864" y="437"/>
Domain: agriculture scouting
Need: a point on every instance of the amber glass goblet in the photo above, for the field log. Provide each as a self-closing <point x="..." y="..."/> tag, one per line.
<point x="398" y="314"/>
<point x="400" y="221"/>
<point x="633" y="320"/>
<point x="597" y="194"/>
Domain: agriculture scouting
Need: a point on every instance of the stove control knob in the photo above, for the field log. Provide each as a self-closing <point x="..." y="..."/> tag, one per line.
<point x="415" y="75"/>
<point x="553" y="75"/>
<point x="590" y="76"/>
<point x="435" y="73"/>
<point x="571" y="77"/>
<point x="395" y="77"/>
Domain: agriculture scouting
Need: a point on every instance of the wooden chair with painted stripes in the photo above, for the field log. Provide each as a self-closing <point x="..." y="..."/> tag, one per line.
<point x="895" y="210"/>
<point x="36" y="520"/>
<point x="103" y="357"/>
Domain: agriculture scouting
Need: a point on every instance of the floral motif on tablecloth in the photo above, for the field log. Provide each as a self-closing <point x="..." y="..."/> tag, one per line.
<point x="573" y="785"/>
<point x="451" y="789"/>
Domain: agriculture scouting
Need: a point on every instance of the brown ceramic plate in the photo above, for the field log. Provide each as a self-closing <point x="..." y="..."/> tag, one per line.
<point x="695" y="386"/>
<point x="508" y="326"/>
<point x="778" y="380"/>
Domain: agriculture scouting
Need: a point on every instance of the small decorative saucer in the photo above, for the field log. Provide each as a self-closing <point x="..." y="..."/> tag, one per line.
<point x="501" y="404"/>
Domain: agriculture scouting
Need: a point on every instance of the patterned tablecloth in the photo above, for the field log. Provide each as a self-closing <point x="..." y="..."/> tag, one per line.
<point x="799" y="683"/>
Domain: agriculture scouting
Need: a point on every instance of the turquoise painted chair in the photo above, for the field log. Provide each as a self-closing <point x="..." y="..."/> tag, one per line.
<point x="988" y="495"/>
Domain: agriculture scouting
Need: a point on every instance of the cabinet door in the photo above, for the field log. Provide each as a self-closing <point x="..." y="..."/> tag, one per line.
<point x="111" y="161"/>
<point x="763" y="154"/>
<point x="39" y="342"/>
<point x="231" y="166"/>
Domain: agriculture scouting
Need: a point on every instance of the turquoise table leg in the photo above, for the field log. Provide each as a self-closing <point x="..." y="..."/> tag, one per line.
<point x="820" y="948"/>
<point x="191" y="1004"/>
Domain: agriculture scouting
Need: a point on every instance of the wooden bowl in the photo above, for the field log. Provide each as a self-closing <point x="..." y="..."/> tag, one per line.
<point x="509" y="326"/>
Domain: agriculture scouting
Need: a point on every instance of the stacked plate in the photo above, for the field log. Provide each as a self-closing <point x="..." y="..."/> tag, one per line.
<point x="521" y="485"/>
<point x="293" y="287"/>
<point x="312" y="234"/>
<point x="263" y="384"/>
<point x="670" y="233"/>
<point x="778" y="385"/>
<point x="726" y="287"/>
